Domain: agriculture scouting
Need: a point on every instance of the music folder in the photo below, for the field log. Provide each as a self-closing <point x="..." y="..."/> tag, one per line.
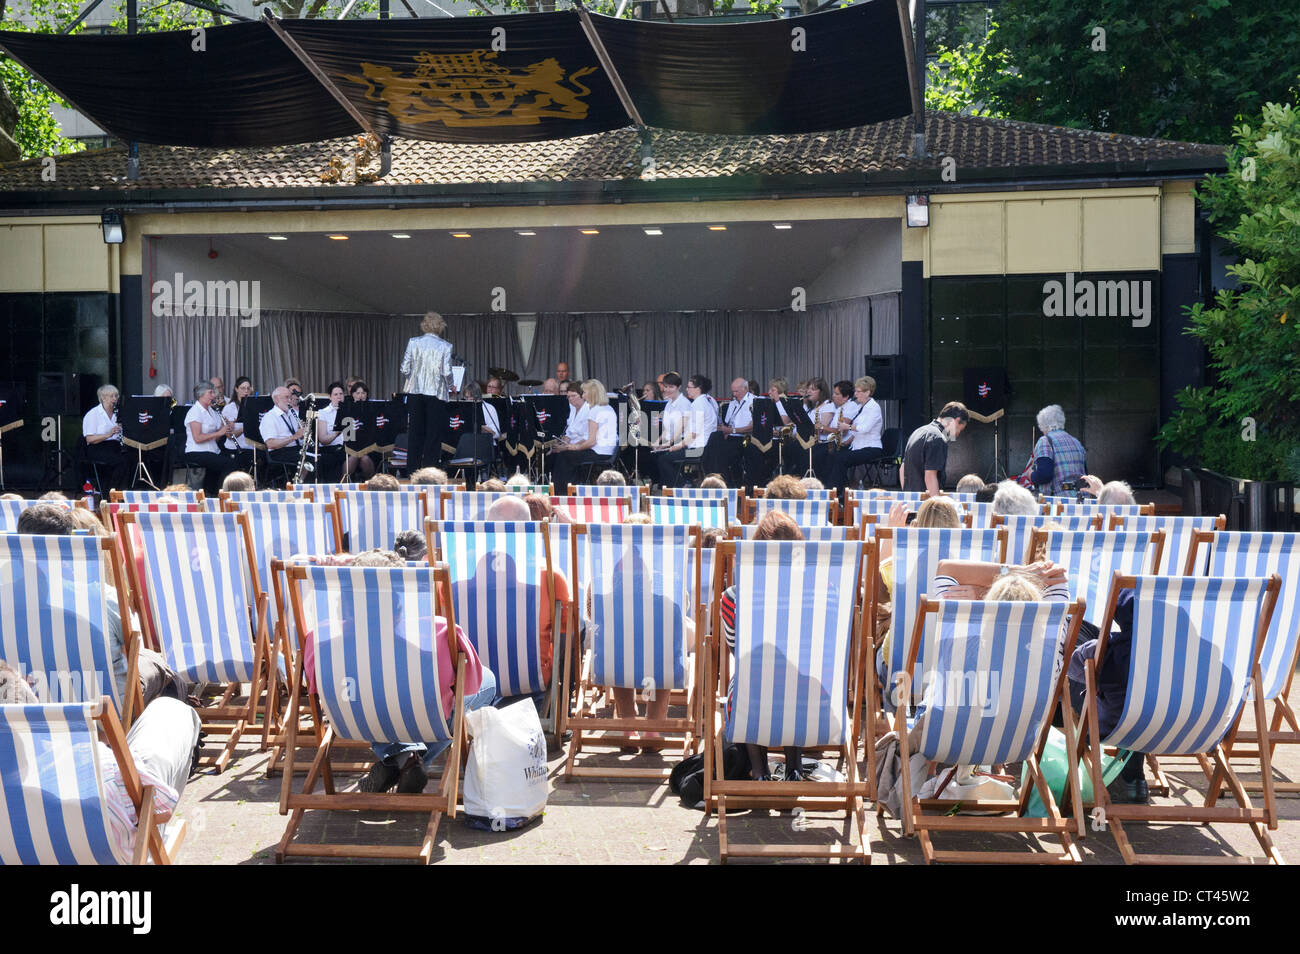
<point x="146" y="421"/>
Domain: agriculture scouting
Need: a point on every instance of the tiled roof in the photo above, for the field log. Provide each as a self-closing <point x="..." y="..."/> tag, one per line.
<point x="975" y="143"/>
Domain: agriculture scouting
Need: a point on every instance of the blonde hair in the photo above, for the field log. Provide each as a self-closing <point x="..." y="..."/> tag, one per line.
<point x="86" y="520"/>
<point x="713" y="482"/>
<point x="938" y="512"/>
<point x="637" y="518"/>
<point x="777" y="525"/>
<point x="786" y="487"/>
<point x="238" y="480"/>
<point x="434" y="324"/>
<point x="593" y="392"/>
<point x="865" y="384"/>
<point x="1014" y="587"/>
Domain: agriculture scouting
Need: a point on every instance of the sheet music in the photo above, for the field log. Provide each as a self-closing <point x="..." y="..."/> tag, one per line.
<point x="457" y="375"/>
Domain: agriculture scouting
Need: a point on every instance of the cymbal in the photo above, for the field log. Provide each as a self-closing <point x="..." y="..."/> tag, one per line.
<point x="530" y="383"/>
<point x="505" y="374"/>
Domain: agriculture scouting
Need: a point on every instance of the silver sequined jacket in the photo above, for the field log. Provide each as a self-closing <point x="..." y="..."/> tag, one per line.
<point x="427" y="366"/>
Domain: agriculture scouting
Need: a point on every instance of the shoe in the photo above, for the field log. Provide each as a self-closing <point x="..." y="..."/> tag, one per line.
<point x="413" y="778"/>
<point x="1128" y="793"/>
<point x="380" y="778"/>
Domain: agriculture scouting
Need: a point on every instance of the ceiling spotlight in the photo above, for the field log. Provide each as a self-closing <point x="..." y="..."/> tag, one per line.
<point x="589" y="231"/>
<point x="278" y="238"/>
<point x="400" y="235"/>
<point x="717" y="228"/>
<point x="524" y="232"/>
<point x="460" y="235"/>
<point x="781" y="225"/>
<point x="654" y="230"/>
<point x="336" y="237"/>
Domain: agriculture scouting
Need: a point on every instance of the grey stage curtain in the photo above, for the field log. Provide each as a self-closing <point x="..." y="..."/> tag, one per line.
<point x="192" y="350"/>
<point x="484" y="341"/>
<point x="552" y="343"/>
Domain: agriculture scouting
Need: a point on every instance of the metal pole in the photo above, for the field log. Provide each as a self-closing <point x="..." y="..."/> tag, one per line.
<point x="71" y="26"/>
<point x="918" y="100"/>
<point x="383" y="9"/>
<point x="317" y="72"/>
<point x="607" y="65"/>
<point x="132" y="18"/>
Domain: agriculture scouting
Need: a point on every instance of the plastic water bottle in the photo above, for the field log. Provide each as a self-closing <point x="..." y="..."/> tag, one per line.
<point x="88" y="491"/>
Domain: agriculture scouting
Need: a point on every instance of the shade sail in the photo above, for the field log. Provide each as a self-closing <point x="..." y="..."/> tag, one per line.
<point x="490" y="79"/>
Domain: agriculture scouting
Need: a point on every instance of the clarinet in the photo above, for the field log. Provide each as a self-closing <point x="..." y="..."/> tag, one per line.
<point x="305" y="466"/>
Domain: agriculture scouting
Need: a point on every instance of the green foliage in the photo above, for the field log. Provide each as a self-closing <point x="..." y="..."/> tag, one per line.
<point x="1176" y="69"/>
<point x="1252" y="332"/>
<point x="950" y="83"/>
<point x="37" y="134"/>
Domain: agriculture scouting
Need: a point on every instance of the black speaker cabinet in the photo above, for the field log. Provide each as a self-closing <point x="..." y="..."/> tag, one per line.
<point x="60" y="393"/>
<point x="889" y="372"/>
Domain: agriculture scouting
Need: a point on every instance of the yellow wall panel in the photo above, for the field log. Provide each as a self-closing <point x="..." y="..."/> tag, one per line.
<point x="1121" y="234"/>
<point x="76" y="259"/>
<point x="965" y="238"/>
<point x="21" y="258"/>
<point x="1177" y="219"/>
<point x="1043" y="235"/>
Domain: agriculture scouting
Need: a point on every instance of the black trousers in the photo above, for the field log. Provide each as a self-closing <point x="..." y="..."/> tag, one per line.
<point x="281" y="466"/>
<point x="215" y="467"/>
<point x="723" y="455"/>
<point x="669" y="474"/>
<point x="570" y="465"/>
<point x="329" y="466"/>
<point x="846" y="460"/>
<point x="113" y="464"/>
<point x="427" y="424"/>
<point x="821" y="462"/>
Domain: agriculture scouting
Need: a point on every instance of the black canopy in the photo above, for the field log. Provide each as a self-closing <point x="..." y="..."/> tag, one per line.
<point x="488" y="79"/>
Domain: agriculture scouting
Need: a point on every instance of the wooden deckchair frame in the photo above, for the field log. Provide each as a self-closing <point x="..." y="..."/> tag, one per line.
<point x="436" y="804"/>
<point x="915" y="819"/>
<point x="722" y="794"/>
<point x="583" y="721"/>
<point x="1088" y="749"/>
<point x="223" y="718"/>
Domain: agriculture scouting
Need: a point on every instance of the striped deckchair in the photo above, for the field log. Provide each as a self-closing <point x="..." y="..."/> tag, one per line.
<point x="206" y="611"/>
<point x="666" y="511"/>
<point x="469" y="504"/>
<point x="1194" y="663"/>
<point x="151" y="496"/>
<point x="981" y="514"/>
<point x="1020" y="529"/>
<point x="376" y="517"/>
<point x="324" y="493"/>
<point x="108" y="511"/>
<point x="592" y="509"/>
<point x="1106" y="510"/>
<point x="53" y="810"/>
<point x="806" y="513"/>
<point x="1254" y="554"/>
<point x="378" y="679"/>
<point x="11" y="509"/>
<point x="305" y="492"/>
<point x="861" y="502"/>
<point x="812" y="534"/>
<point x="798" y="648"/>
<point x="732" y="495"/>
<point x="1180" y="533"/>
<point x="989" y="689"/>
<point x="500" y="575"/>
<point x="638" y="637"/>
<point x="629" y="492"/>
<point x="917" y="553"/>
<point x="1090" y="557"/>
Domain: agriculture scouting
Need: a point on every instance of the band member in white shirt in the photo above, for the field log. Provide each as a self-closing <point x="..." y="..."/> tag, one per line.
<point x="828" y="420"/>
<point x="238" y="446"/>
<point x="677" y="407"/>
<point x="701" y="422"/>
<point x="725" y="446"/>
<point x="103" y="436"/>
<point x="282" y="432"/>
<point x="205" y="429"/>
<point x="592" y="434"/>
<point x="329" y="469"/>
<point x="865" y="429"/>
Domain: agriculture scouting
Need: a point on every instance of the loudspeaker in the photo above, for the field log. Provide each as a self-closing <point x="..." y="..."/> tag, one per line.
<point x="889" y="370"/>
<point x="984" y="390"/>
<point x="59" y="393"/>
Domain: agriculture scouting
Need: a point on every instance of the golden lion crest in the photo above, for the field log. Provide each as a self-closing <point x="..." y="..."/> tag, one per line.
<point x="465" y="89"/>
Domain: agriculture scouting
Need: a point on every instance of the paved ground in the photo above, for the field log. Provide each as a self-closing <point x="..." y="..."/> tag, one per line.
<point x="234" y="819"/>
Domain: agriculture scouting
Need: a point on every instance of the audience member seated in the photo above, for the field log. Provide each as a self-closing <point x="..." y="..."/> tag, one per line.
<point x="970" y="484"/>
<point x="517" y="483"/>
<point x="986" y="493"/>
<point x="540" y="508"/>
<point x="52" y="495"/>
<point x="713" y="482"/>
<point x="637" y="518"/>
<point x="812" y="483"/>
<point x="1013" y="500"/>
<point x="410" y="545"/>
<point x="162" y="743"/>
<point x="429" y="475"/>
<point x="494" y="485"/>
<point x="237" y="481"/>
<point x="610" y="478"/>
<point x="1116" y="492"/>
<point x="383" y="482"/>
<point x="786" y="487"/>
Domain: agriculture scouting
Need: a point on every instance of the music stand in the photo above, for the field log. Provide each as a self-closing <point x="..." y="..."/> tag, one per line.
<point x="146" y="426"/>
<point x="251" y="412"/>
<point x="552" y="411"/>
<point x="11" y="416"/>
<point x="465" y="418"/>
<point x="804" y="428"/>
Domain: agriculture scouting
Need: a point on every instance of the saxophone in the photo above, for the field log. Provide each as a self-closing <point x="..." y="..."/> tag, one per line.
<point x="837" y="439"/>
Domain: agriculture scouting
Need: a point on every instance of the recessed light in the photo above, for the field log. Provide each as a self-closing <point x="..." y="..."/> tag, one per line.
<point x="524" y="232"/>
<point x="717" y="228"/>
<point x="654" y="230"/>
<point x="337" y="238"/>
<point x="400" y="235"/>
<point x="589" y="231"/>
<point x="460" y="235"/>
<point x="781" y="225"/>
<point x="278" y="238"/>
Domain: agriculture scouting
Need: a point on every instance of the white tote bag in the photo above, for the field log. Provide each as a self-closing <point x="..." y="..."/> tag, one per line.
<point x="505" y="780"/>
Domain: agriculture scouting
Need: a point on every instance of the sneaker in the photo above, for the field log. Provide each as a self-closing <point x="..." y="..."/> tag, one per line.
<point x="380" y="778"/>
<point x="413" y="778"/>
<point x="1128" y="793"/>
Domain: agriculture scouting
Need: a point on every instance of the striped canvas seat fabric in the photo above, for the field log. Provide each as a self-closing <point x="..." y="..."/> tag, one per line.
<point x="54" y="615"/>
<point x="377" y="675"/>
<point x="730" y="494"/>
<point x="1091" y="557"/>
<point x="810" y="534"/>
<point x="628" y="492"/>
<point x="377" y="517"/>
<point x="199" y="589"/>
<point x="469" y="504"/>
<point x="497" y="576"/>
<point x="806" y="513"/>
<point x="1193" y="647"/>
<point x="1020" y="527"/>
<point x="10" y="510"/>
<point x="990" y="679"/>
<point x="640" y="604"/>
<point x="981" y="514"/>
<point x="151" y="496"/>
<point x="794" y="636"/>
<point x="240" y="497"/>
<point x="1178" y="540"/>
<point x="52" y="809"/>
<point x="1255" y="554"/>
<point x="700" y="513"/>
<point x="1106" y="510"/>
<point x="324" y="493"/>
<point x="281" y="530"/>
<point x="592" y="509"/>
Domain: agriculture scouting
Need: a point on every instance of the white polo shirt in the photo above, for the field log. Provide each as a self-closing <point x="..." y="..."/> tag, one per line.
<point x="279" y="424"/>
<point x="740" y="413"/>
<point x="672" y="422"/>
<point x="209" y="423"/>
<point x="868" y="426"/>
<point x="606" y="419"/>
<point x="239" y="442"/>
<point x="826" y="407"/>
<point x="97" y="421"/>
<point x="328" y="416"/>
<point x="703" y="420"/>
<point x="576" y="432"/>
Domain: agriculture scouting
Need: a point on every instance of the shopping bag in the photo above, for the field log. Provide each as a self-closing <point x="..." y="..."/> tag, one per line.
<point x="505" y="780"/>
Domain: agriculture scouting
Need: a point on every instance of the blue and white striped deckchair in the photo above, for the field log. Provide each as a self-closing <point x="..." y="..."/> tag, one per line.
<point x="378" y="678"/>
<point x="1054" y="500"/>
<point x="811" y="534"/>
<point x="1091" y="557"/>
<point x="805" y="513"/>
<point x="1180" y="533"/>
<point x="917" y="553"/>
<point x="305" y="492"/>
<point x="1255" y="554"/>
<point x="798" y="640"/>
<point x="54" y="618"/>
<point x="731" y="495"/>
<point x="1193" y="664"/>
<point x="376" y="517"/>
<point x="629" y="492"/>
<point x="981" y="514"/>
<point x="498" y="583"/>
<point x="671" y="511"/>
<point x="151" y="496"/>
<point x="863" y="502"/>
<point x="637" y="640"/>
<point x="989" y="689"/>
<point x="470" y="504"/>
<point x="1020" y="529"/>
<point x="206" y="608"/>
<point x="961" y="497"/>
<point x="324" y="493"/>
<point x="10" y="510"/>
<point x="52" y="805"/>
<point x="1106" y="510"/>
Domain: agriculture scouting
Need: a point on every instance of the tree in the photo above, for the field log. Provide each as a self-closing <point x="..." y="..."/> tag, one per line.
<point x="1247" y="423"/>
<point x="1175" y="69"/>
